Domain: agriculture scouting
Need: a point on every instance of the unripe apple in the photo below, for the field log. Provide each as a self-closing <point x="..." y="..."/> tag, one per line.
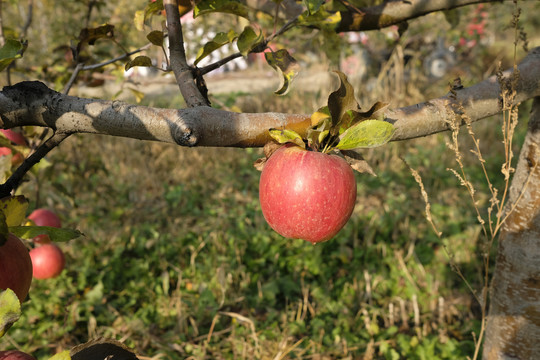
<point x="47" y="260"/>
<point x="15" y="355"/>
<point x="306" y="194"/>
<point x="15" y="267"/>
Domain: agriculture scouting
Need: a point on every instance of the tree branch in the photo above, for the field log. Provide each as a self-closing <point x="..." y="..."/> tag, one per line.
<point x="394" y="12"/>
<point x="182" y="72"/>
<point x="33" y="103"/>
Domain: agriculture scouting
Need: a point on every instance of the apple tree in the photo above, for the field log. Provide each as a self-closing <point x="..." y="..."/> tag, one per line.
<point x="510" y="325"/>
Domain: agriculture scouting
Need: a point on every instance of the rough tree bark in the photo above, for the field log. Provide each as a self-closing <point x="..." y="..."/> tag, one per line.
<point x="513" y="326"/>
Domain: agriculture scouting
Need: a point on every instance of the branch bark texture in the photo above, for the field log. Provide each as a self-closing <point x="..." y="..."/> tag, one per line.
<point x="394" y="12"/>
<point x="179" y="66"/>
<point x="33" y="103"/>
<point x="513" y="326"/>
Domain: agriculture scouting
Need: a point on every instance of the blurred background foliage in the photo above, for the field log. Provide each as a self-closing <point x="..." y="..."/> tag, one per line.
<point x="178" y="261"/>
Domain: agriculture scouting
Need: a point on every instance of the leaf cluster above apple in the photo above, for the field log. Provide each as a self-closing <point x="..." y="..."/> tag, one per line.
<point x="340" y="126"/>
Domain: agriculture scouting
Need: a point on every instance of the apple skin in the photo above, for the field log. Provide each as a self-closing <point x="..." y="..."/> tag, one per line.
<point x="15" y="267"/>
<point x="15" y="137"/>
<point x="15" y="355"/>
<point x="306" y="194"/>
<point x="44" y="217"/>
<point x="47" y="260"/>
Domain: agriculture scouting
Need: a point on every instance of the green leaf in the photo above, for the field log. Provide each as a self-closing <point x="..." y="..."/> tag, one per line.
<point x="340" y="102"/>
<point x="139" y="61"/>
<point x="11" y="50"/>
<point x="156" y="37"/>
<point x="10" y="310"/>
<point x="139" y="95"/>
<point x="366" y="134"/>
<point x="283" y="136"/>
<point x="14" y="209"/>
<point x="286" y="66"/>
<point x="225" y="6"/>
<point x="64" y="355"/>
<point x="321" y="19"/>
<point x="55" y="234"/>
<point x="248" y="40"/>
<point x="313" y="5"/>
<point x="452" y="17"/>
<point x="218" y="41"/>
<point x="141" y="16"/>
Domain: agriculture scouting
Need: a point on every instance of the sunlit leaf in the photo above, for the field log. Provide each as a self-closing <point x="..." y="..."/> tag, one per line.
<point x="64" y="355"/>
<point x="156" y="37"/>
<point x="283" y="136"/>
<point x="10" y="310"/>
<point x="249" y="39"/>
<point x="366" y="134"/>
<point x="14" y="208"/>
<point x="286" y="66"/>
<point x="55" y="234"/>
<point x="319" y="115"/>
<point x="225" y="6"/>
<point x="313" y="5"/>
<point x="218" y="41"/>
<point x="11" y="50"/>
<point x="102" y="349"/>
<point x="141" y="16"/>
<point x="141" y="60"/>
<point x="139" y="95"/>
<point x="321" y="19"/>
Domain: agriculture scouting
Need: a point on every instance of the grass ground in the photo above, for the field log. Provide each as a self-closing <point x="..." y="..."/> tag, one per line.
<point x="178" y="262"/>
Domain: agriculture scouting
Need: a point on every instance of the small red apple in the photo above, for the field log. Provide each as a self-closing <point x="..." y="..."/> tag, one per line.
<point x="45" y="217"/>
<point x="15" y="137"/>
<point x="5" y="151"/>
<point x="47" y="260"/>
<point x="306" y="194"/>
<point x="15" y="355"/>
<point x="15" y="267"/>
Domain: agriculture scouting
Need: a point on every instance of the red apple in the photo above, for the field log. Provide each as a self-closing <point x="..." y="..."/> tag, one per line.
<point x="5" y="151"/>
<point x="306" y="194"/>
<point x="15" y="137"/>
<point x="45" y="217"/>
<point x="15" y="267"/>
<point x="15" y="355"/>
<point x="47" y="260"/>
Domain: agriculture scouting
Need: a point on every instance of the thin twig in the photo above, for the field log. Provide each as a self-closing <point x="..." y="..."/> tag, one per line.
<point x="15" y="179"/>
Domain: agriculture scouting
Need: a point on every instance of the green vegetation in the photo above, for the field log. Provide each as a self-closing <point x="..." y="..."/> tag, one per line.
<point x="178" y="261"/>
